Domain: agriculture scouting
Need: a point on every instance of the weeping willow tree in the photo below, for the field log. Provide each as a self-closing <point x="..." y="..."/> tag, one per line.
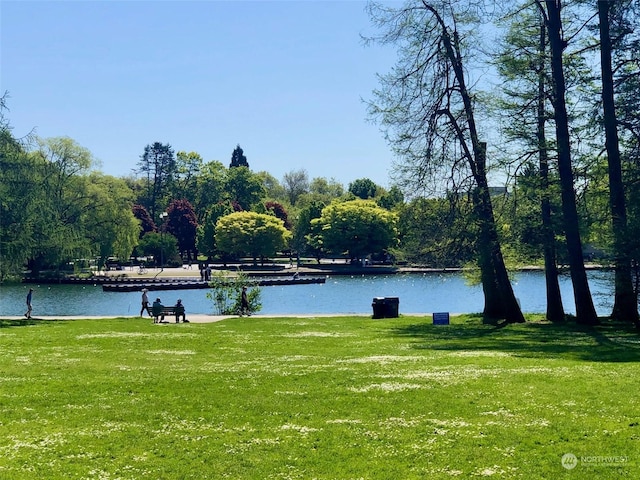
<point x="18" y="194"/>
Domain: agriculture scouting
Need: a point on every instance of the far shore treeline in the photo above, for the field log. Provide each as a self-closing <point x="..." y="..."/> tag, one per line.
<point x="541" y="169"/>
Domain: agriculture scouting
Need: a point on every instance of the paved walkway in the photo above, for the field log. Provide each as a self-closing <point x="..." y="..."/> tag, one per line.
<point x="193" y="318"/>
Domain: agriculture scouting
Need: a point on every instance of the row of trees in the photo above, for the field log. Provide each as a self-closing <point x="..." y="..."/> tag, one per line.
<point x="57" y="208"/>
<point x="567" y="71"/>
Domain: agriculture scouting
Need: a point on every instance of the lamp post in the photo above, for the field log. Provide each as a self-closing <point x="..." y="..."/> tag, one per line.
<point x="163" y="217"/>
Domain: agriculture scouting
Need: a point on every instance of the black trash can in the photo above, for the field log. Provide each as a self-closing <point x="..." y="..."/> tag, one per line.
<point x="379" y="307"/>
<point x="385" y="307"/>
<point x="392" y="307"/>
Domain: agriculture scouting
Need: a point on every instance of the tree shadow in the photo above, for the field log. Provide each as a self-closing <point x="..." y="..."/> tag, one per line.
<point x="608" y="342"/>
<point x="25" y="322"/>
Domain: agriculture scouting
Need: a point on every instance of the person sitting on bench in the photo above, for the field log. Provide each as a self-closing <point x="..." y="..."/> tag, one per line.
<point x="156" y="311"/>
<point x="180" y="312"/>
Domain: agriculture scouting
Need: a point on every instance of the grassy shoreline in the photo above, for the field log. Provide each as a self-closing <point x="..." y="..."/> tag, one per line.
<point x="328" y="397"/>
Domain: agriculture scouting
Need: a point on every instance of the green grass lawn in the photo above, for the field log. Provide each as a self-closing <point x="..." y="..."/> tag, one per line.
<point x="326" y="398"/>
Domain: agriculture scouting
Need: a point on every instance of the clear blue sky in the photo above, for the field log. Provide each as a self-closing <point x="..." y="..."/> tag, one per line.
<point x="284" y="79"/>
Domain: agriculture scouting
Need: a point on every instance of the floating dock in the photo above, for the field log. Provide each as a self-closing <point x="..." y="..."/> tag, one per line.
<point x="173" y="284"/>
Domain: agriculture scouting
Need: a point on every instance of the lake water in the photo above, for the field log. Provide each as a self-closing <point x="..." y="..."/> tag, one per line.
<point x="418" y="293"/>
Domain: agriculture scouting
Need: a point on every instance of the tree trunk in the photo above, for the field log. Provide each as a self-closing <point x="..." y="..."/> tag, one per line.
<point x="625" y="303"/>
<point x="500" y="300"/>
<point x="585" y="311"/>
<point x="494" y="272"/>
<point x="555" y="310"/>
<point x="493" y="306"/>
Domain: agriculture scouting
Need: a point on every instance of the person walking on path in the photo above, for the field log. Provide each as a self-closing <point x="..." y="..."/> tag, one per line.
<point x="145" y="302"/>
<point x="244" y="303"/>
<point x="29" y="307"/>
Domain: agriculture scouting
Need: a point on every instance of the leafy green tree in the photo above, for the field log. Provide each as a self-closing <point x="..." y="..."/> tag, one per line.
<point x="391" y="199"/>
<point x="357" y="227"/>
<point x="59" y="232"/>
<point x="111" y="226"/>
<point x="295" y="184"/>
<point x="226" y="293"/>
<point x="20" y="195"/>
<point x="158" y="167"/>
<point x="272" y="187"/>
<point x="363" y="188"/>
<point x="188" y="167"/>
<point x="328" y="189"/>
<point x="207" y="227"/>
<point x="210" y="188"/>
<point x="303" y="229"/>
<point x="54" y="209"/>
<point x="163" y="247"/>
<point x="438" y="232"/>
<point x="322" y="190"/>
<point x="244" y="187"/>
<point x="250" y="233"/>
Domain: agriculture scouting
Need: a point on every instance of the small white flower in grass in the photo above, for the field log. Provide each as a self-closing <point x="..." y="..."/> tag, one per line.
<point x="387" y="387"/>
<point x="317" y="334"/>
<point x="299" y="428"/>
<point x="479" y="353"/>
<point x="166" y="334"/>
<point x="454" y="473"/>
<point x="490" y="471"/>
<point x="383" y="359"/>
<point x="454" y="423"/>
<point x="500" y="412"/>
<point x="393" y="422"/>
<point x="538" y="422"/>
<point x="345" y="420"/>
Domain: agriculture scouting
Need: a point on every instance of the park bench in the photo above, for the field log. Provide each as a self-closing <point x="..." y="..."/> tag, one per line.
<point x="159" y="313"/>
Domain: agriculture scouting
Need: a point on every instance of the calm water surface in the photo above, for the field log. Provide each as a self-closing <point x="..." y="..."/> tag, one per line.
<point x="418" y="293"/>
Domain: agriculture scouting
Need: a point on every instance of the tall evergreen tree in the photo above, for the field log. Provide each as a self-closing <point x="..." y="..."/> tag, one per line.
<point x="523" y="64"/>
<point x="625" y="304"/>
<point x="585" y="310"/>
<point x="238" y="159"/>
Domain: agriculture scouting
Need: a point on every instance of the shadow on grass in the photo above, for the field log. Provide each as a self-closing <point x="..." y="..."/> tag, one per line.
<point x="24" y="322"/>
<point x="608" y="342"/>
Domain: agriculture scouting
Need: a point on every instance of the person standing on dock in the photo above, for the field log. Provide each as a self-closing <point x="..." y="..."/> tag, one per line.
<point x="145" y="302"/>
<point x="29" y="307"/>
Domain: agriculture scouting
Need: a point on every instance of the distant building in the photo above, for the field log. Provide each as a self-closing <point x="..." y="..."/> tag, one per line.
<point x="498" y="191"/>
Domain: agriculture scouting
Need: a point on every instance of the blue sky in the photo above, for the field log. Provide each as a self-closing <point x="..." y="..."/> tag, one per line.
<point x="284" y="79"/>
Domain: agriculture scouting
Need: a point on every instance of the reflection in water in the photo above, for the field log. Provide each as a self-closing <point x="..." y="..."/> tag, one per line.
<point x="418" y="293"/>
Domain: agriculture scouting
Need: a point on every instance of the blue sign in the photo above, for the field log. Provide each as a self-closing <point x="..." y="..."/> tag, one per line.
<point x="441" y="318"/>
